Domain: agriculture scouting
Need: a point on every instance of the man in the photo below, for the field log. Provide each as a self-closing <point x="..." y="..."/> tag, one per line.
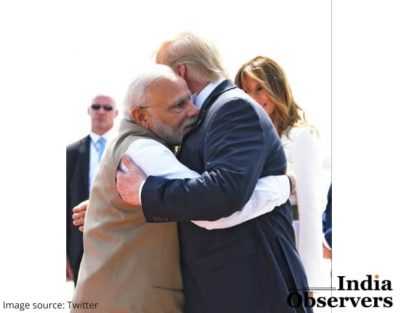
<point x="130" y="265"/>
<point x="248" y="268"/>
<point x="83" y="158"/>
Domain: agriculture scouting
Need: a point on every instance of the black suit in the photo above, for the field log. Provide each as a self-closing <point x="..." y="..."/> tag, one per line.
<point x="248" y="268"/>
<point x="78" y="155"/>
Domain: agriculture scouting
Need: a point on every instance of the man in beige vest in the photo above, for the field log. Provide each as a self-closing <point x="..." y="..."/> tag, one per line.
<point x="130" y="265"/>
<point x="133" y="266"/>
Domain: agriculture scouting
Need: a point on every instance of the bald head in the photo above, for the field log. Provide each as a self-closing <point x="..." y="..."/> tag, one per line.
<point x="103" y="99"/>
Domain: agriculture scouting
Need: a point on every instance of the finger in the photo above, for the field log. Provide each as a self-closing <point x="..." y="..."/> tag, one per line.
<point x="78" y="222"/>
<point x="76" y="217"/>
<point x="78" y="214"/>
<point x="123" y="197"/>
<point x="121" y="182"/>
<point x="81" y="228"/>
<point x="119" y="175"/>
<point x="118" y="178"/>
<point x="80" y="207"/>
<point x="128" y="163"/>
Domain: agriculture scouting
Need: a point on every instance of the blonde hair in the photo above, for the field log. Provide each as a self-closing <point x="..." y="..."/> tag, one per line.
<point x="199" y="55"/>
<point x="271" y="76"/>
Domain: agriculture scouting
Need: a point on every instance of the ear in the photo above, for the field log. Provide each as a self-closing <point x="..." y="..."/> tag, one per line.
<point x="140" y="116"/>
<point x="181" y="70"/>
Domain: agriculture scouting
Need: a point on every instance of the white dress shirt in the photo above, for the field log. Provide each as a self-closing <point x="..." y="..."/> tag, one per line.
<point x="94" y="159"/>
<point x="199" y="98"/>
<point x="157" y="160"/>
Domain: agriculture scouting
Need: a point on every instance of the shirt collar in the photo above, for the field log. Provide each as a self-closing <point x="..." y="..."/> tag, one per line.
<point x="96" y="137"/>
<point x="199" y="98"/>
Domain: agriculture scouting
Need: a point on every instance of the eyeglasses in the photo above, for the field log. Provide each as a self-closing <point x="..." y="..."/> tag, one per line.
<point x="105" y="107"/>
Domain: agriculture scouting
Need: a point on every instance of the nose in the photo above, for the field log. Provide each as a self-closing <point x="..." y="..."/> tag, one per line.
<point x="193" y="110"/>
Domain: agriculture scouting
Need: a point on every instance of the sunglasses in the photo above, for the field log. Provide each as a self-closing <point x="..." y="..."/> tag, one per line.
<point x="105" y="107"/>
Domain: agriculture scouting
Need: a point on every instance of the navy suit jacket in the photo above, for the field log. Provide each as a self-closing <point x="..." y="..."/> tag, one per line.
<point x="327" y="219"/>
<point x="248" y="268"/>
<point x="78" y="155"/>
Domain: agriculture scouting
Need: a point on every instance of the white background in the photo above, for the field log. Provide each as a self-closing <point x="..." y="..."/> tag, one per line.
<point x="56" y="55"/>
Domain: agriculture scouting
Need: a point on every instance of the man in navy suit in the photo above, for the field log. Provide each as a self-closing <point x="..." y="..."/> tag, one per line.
<point x="251" y="267"/>
<point x="83" y="158"/>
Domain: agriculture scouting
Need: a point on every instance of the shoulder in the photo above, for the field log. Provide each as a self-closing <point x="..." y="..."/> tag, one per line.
<point x="236" y="104"/>
<point x="238" y="96"/>
<point x="77" y="144"/>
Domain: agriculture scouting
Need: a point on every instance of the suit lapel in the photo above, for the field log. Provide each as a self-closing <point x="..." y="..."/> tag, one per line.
<point x="208" y="102"/>
<point x="218" y="91"/>
<point x="84" y="159"/>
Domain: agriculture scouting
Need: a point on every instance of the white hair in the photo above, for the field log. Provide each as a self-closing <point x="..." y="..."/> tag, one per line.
<point x="136" y="95"/>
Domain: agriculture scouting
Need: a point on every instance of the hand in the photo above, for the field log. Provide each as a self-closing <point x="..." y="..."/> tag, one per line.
<point x="70" y="272"/>
<point x="129" y="180"/>
<point x="327" y="252"/>
<point x="78" y="214"/>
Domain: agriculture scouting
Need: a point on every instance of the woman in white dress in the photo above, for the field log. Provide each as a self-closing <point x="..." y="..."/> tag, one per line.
<point x="264" y="80"/>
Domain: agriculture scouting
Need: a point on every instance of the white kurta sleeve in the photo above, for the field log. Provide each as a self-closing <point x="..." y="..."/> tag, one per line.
<point x="157" y="160"/>
<point x="307" y="169"/>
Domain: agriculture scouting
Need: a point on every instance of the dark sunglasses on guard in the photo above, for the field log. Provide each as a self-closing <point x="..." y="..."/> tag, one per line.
<point x="105" y="107"/>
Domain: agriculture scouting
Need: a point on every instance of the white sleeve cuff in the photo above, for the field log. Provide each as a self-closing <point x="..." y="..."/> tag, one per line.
<point x="270" y="192"/>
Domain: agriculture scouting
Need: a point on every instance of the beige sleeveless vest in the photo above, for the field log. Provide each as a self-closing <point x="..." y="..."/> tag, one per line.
<point x="128" y="265"/>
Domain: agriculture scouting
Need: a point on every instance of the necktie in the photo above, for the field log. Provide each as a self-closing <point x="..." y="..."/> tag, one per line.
<point x="100" y="145"/>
